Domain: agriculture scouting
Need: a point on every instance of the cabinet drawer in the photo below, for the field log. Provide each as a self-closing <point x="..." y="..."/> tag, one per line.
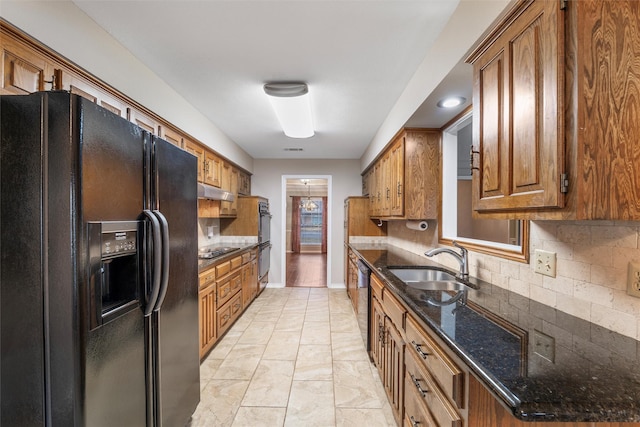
<point x="236" y="282"/>
<point x="223" y="319"/>
<point x="433" y="358"/>
<point x="236" y="262"/>
<point x="207" y="277"/>
<point x="376" y="287"/>
<point x="442" y="411"/>
<point x="246" y="257"/>
<point x="223" y="268"/>
<point x="415" y="413"/>
<point x="236" y="305"/>
<point x="394" y="310"/>
<point x="227" y="287"/>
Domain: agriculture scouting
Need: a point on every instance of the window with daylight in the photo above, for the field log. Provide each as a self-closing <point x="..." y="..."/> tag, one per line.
<point x="311" y="224"/>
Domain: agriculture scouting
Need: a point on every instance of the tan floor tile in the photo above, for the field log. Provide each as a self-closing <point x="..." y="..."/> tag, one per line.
<point x="258" y="332"/>
<point x="348" y="346"/>
<point x="283" y="345"/>
<point x="271" y="384"/>
<point x="219" y="402"/>
<point x="298" y="347"/>
<point x="311" y="404"/>
<point x="350" y="417"/>
<point x="207" y="369"/>
<point x="241" y="362"/>
<point x="314" y="363"/>
<point x="315" y="333"/>
<point x="354" y="385"/>
<point x="259" y="417"/>
<point x="224" y="345"/>
<point x="344" y="322"/>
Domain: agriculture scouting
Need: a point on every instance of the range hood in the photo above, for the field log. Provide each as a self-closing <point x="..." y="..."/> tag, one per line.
<point x="210" y="192"/>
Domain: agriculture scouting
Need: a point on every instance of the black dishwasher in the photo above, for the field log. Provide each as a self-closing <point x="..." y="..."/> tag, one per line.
<point x="364" y="298"/>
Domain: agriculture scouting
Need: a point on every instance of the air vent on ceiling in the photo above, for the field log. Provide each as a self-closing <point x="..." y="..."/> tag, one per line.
<point x="293" y="149"/>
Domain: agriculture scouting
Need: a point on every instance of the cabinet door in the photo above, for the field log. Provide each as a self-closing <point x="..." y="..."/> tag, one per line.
<point x="245" y="184"/>
<point x="385" y="178"/>
<point x="79" y="86"/>
<point x="207" y="319"/>
<point x="25" y="71"/>
<point x="394" y="367"/>
<point x="229" y="183"/>
<point x="144" y="121"/>
<point x="171" y="136"/>
<point x="396" y="178"/>
<point x="517" y="94"/>
<point x="212" y="169"/>
<point x="198" y="151"/>
<point x="377" y="335"/>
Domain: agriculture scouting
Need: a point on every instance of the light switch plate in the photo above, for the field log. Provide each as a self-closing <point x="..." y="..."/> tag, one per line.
<point x="545" y="263"/>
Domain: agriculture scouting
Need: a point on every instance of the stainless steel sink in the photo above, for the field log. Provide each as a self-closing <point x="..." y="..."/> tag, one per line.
<point x="428" y="279"/>
<point x="409" y="275"/>
<point x="438" y="285"/>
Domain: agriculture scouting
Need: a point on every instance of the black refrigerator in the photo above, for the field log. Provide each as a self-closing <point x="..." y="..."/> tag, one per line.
<point x="98" y="269"/>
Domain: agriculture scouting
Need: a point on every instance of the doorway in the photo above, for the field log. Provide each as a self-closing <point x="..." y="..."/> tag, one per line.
<point x="307" y="224"/>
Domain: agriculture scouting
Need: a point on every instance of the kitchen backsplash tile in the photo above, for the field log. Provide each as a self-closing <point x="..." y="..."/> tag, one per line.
<point x="592" y="261"/>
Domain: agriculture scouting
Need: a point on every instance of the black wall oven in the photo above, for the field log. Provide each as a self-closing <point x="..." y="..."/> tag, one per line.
<point x="264" y="237"/>
<point x="264" y="223"/>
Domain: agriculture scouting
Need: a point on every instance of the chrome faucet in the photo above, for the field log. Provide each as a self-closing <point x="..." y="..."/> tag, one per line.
<point x="461" y="257"/>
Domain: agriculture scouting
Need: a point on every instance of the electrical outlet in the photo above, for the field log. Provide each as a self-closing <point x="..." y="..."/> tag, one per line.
<point x="544" y="345"/>
<point x="545" y="263"/>
<point x="633" y="279"/>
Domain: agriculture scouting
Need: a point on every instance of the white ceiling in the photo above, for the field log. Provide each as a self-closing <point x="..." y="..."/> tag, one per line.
<point x="357" y="57"/>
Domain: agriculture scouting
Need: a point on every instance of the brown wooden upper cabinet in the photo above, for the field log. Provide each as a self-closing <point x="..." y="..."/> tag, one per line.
<point x="556" y="112"/>
<point x="198" y="151"/>
<point x="171" y="136"/>
<point x="229" y="183"/>
<point x="212" y="169"/>
<point x="404" y="183"/>
<point x="24" y="70"/>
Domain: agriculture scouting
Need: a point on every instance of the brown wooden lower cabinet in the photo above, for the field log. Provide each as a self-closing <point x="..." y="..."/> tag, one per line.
<point x="226" y="289"/>
<point x="428" y="385"/>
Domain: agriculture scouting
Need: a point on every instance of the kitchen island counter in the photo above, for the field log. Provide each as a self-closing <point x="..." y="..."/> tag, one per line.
<point x="578" y="371"/>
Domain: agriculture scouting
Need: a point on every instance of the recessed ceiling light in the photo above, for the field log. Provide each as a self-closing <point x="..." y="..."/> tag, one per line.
<point x="452" y="101"/>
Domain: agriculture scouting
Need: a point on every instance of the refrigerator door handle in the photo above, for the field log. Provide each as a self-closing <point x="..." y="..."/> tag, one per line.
<point x="164" y="225"/>
<point x="150" y="299"/>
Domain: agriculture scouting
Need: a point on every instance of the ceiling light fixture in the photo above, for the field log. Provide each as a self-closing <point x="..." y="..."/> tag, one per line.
<point x="452" y="101"/>
<point x="293" y="108"/>
<point x="308" y="204"/>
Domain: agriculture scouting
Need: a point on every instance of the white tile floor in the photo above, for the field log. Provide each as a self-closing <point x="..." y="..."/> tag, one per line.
<point x="294" y="358"/>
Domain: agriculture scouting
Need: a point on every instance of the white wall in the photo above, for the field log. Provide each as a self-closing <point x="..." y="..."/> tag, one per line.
<point x="67" y="30"/>
<point x="345" y="180"/>
<point x="466" y="26"/>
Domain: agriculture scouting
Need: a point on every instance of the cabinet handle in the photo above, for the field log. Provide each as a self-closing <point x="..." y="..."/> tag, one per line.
<point x="416" y="382"/>
<point x="381" y="333"/>
<point x="414" y="423"/>
<point x="399" y="189"/>
<point x="418" y="348"/>
<point x="388" y="193"/>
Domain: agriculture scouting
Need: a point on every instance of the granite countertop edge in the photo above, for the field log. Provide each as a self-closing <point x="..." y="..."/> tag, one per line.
<point x="527" y="410"/>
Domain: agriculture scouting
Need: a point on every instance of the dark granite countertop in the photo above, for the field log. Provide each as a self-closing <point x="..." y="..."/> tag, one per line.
<point x="587" y="373"/>
<point x="236" y="249"/>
